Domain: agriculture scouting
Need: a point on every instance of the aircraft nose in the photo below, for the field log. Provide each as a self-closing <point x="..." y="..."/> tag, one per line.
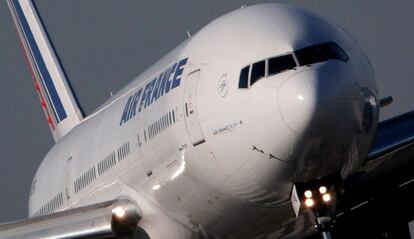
<point x="309" y="102"/>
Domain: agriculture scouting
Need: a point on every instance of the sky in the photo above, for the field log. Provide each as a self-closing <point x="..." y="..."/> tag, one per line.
<point x="103" y="44"/>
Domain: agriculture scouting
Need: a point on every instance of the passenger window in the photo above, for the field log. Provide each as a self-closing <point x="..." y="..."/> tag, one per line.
<point x="281" y="63"/>
<point x="310" y="55"/>
<point x="258" y="71"/>
<point x="244" y="78"/>
<point x="334" y="51"/>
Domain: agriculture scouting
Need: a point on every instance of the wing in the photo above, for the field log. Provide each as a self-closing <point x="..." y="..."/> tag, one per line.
<point x="382" y="189"/>
<point x="112" y="219"/>
<point x="393" y="136"/>
<point x="392" y="149"/>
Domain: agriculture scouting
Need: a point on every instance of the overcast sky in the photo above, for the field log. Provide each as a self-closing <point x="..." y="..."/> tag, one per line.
<point x="103" y="44"/>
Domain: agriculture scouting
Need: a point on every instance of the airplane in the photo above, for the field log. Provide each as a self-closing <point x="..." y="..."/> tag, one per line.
<point x="251" y="128"/>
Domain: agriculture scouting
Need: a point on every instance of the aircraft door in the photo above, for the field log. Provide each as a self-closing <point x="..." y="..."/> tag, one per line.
<point x="68" y="180"/>
<point x="140" y="154"/>
<point x="192" y="120"/>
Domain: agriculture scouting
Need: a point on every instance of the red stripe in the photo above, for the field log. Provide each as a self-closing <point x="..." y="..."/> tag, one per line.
<point x="37" y="87"/>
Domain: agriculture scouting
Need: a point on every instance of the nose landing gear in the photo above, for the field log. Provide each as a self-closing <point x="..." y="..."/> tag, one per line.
<point x="322" y="203"/>
<point x="321" y="199"/>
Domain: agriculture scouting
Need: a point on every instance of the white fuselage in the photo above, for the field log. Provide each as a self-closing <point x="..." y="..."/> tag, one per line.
<point x="207" y="156"/>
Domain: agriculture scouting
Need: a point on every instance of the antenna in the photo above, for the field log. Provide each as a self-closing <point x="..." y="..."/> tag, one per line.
<point x="188" y="34"/>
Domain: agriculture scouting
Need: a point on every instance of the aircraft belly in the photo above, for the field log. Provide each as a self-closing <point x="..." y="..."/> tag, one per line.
<point x="206" y="200"/>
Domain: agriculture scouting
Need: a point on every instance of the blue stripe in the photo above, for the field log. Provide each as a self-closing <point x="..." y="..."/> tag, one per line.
<point x="47" y="82"/>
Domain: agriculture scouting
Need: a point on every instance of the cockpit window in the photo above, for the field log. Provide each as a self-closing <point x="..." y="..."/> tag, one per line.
<point x="310" y="55"/>
<point x="281" y="63"/>
<point x="304" y="57"/>
<point x="320" y="53"/>
<point x="334" y="51"/>
<point x="258" y="71"/>
<point x="244" y="77"/>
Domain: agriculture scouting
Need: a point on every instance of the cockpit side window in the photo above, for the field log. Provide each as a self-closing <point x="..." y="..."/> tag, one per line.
<point x="334" y="51"/>
<point x="281" y="63"/>
<point x="258" y="71"/>
<point x="244" y="77"/>
<point x="310" y="55"/>
<point x="320" y="53"/>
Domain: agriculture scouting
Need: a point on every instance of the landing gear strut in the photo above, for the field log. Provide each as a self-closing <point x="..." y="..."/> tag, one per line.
<point x="324" y="226"/>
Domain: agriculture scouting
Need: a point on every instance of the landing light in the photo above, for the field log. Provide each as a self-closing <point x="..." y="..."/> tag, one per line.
<point x="323" y="190"/>
<point x="308" y="193"/>
<point x="326" y="197"/>
<point x="118" y="212"/>
<point x="309" y="202"/>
